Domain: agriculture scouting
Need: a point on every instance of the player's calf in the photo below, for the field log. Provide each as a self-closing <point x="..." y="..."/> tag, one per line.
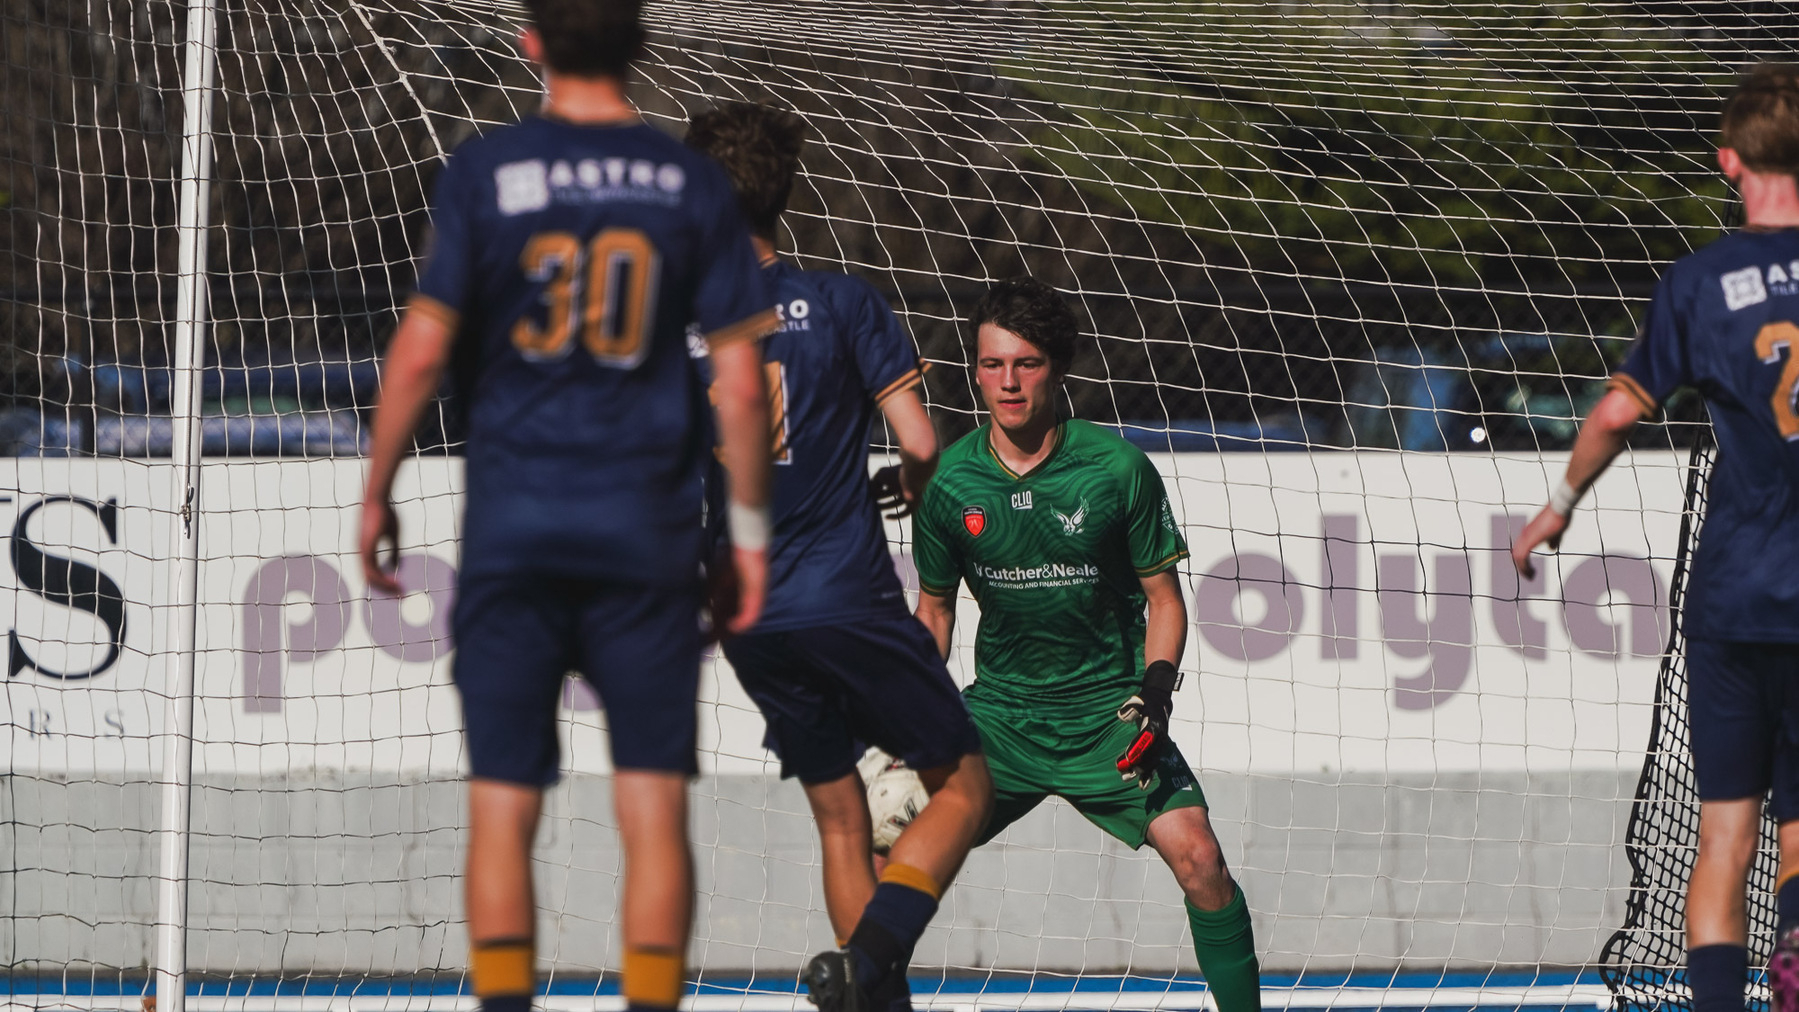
<point x="657" y="904"/>
<point x="862" y="974"/>
<point x="501" y="911"/>
<point x="1217" y="913"/>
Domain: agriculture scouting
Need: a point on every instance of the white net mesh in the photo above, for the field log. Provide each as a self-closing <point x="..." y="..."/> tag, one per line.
<point x="1355" y="271"/>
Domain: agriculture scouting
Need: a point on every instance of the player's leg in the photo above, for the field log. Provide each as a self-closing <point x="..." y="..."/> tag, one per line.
<point x="939" y="839"/>
<point x="846" y="842"/>
<point x="512" y="650"/>
<point x="501" y="908"/>
<point x="1781" y="661"/>
<point x="656" y="899"/>
<point x="641" y="650"/>
<point x="919" y="867"/>
<point x="892" y="690"/>
<point x="1734" y="725"/>
<point x="809" y="732"/>
<point x="1171" y="816"/>
<point x="1223" y="939"/>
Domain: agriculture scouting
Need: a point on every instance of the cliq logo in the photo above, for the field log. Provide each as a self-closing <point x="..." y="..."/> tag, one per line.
<point x="1434" y="624"/>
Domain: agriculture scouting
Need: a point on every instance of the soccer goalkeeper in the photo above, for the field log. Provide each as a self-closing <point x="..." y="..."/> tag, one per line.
<point x="1725" y="321"/>
<point x="1064" y="534"/>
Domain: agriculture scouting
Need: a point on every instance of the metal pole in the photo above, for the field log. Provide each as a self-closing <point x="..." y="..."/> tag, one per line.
<point x="200" y="69"/>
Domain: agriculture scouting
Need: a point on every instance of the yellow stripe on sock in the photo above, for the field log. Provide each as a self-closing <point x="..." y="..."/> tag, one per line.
<point x="652" y="977"/>
<point x="499" y="969"/>
<point x="912" y="878"/>
<point x="1784" y="879"/>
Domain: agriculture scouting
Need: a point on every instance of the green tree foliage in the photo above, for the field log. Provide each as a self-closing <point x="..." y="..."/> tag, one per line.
<point x="1457" y="144"/>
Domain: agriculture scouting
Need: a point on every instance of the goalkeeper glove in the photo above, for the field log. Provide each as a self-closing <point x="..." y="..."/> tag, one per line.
<point x="1149" y="710"/>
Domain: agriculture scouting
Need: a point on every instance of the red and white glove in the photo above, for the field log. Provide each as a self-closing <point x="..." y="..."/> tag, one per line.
<point x="1149" y="709"/>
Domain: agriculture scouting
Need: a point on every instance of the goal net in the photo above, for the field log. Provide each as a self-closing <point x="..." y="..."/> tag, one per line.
<point x="1353" y="272"/>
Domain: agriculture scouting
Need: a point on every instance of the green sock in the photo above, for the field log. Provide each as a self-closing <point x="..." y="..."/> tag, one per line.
<point x="1226" y="946"/>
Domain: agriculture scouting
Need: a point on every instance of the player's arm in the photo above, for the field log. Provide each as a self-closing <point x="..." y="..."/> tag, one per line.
<point x="741" y="403"/>
<point x="939" y="566"/>
<point x="1602" y="437"/>
<point x="1156" y="548"/>
<point x="939" y="616"/>
<point x="917" y="438"/>
<point x="1656" y="366"/>
<point x="409" y="379"/>
<point x="1165" y="638"/>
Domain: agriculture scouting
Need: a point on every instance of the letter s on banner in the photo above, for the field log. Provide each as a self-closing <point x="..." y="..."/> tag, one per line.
<point x="69" y="583"/>
<point x="1214" y="602"/>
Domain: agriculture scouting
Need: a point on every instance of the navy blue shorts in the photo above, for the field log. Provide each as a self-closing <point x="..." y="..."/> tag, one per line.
<point x="1744" y="702"/>
<point x="827" y="691"/>
<point x="518" y="637"/>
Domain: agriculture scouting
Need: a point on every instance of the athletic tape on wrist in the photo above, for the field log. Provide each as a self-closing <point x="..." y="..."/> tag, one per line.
<point x="1563" y="498"/>
<point x="749" y="526"/>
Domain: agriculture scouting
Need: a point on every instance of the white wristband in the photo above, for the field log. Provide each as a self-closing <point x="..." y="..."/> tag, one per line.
<point x="750" y="528"/>
<point x="1563" y="498"/>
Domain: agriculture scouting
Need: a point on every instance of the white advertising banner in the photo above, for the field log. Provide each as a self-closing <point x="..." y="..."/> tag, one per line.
<point x="1353" y="611"/>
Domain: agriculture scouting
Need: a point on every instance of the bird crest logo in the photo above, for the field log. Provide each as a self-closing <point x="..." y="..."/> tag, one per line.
<point x="975" y="519"/>
<point x="1071" y="525"/>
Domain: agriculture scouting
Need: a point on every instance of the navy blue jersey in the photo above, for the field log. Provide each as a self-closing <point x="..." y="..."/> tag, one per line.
<point x="838" y="354"/>
<point x="572" y="260"/>
<point x="1725" y="321"/>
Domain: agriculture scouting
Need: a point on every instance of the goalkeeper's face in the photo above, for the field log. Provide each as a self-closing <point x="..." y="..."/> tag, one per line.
<point x="1017" y="380"/>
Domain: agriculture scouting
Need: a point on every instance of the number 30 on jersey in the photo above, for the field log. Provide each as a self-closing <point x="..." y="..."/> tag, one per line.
<point x="606" y="288"/>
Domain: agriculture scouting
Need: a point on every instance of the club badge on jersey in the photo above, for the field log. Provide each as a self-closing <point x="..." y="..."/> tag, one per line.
<point x="974" y="519"/>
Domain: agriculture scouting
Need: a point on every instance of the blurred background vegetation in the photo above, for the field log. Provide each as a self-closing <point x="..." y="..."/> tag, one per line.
<point x="1288" y="225"/>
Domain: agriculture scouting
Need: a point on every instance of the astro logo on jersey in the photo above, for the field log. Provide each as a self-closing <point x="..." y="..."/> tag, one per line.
<point x="1743" y="288"/>
<point x="533" y="184"/>
<point x="975" y="519"/>
<point x="1071" y="525"/>
<point x="1021" y="500"/>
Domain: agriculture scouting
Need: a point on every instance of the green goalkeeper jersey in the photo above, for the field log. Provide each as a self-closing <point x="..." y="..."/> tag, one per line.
<point x="1054" y="558"/>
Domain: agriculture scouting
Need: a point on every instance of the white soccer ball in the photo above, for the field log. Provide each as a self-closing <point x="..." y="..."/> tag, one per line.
<point x="895" y="796"/>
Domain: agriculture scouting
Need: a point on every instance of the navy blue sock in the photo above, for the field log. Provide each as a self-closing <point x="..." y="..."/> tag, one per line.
<point x="507" y="1003"/>
<point x="896" y="994"/>
<point x="1786" y="901"/>
<point x="1718" y="975"/>
<point x="890" y="926"/>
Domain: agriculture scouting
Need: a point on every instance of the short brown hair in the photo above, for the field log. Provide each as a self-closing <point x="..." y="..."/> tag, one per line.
<point x="759" y="146"/>
<point x="1033" y="310"/>
<point x="1761" y="119"/>
<point x="589" y="38"/>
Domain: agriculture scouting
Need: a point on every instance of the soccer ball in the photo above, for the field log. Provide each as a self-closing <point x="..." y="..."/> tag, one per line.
<point x="895" y="796"/>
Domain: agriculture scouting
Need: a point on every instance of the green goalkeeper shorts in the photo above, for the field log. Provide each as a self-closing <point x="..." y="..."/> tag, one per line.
<point x="1032" y="758"/>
